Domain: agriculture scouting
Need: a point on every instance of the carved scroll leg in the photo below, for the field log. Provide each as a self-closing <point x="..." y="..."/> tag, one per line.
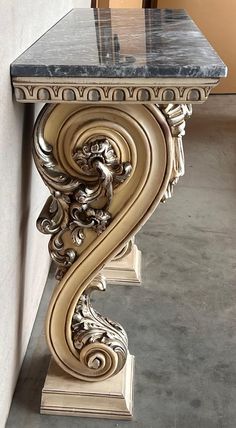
<point x="107" y="168"/>
<point x="112" y="398"/>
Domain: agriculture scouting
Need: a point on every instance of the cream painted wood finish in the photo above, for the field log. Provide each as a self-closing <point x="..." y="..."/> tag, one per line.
<point x="125" y="270"/>
<point x="147" y="138"/>
<point x="152" y="165"/>
<point x="65" y="133"/>
<point x="110" y="399"/>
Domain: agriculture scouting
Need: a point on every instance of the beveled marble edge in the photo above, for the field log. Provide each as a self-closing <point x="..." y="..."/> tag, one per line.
<point x="158" y="43"/>
<point x="118" y="90"/>
<point x="56" y="71"/>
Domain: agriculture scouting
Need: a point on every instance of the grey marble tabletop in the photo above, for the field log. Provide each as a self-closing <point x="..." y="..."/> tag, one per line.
<point x="121" y="43"/>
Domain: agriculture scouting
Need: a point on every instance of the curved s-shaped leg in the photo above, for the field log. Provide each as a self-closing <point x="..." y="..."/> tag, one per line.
<point x="107" y="168"/>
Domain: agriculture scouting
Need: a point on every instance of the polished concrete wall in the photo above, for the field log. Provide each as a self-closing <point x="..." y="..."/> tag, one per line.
<point x="23" y="250"/>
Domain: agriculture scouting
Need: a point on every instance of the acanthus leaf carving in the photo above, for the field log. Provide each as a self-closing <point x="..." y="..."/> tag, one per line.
<point x="89" y="327"/>
<point x="82" y="167"/>
<point x="71" y="208"/>
<point x="98" y="157"/>
<point x="176" y="116"/>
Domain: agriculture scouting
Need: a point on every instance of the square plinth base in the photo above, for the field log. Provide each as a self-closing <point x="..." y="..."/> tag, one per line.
<point x="111" y="399"/>
<point x="126" y="270"/>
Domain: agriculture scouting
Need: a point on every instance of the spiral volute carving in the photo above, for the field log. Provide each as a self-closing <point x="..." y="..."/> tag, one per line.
<point x="106" y="167"/>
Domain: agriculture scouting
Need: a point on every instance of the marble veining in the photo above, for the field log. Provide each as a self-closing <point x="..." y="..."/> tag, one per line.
<point x="121" y="43"/>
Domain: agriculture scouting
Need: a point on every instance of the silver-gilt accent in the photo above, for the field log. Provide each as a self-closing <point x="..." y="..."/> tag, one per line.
<point x="91" y="328"/>
<point x="176" y="116"/>
<point x="72" y="206"/>
<point x="77" y="208"/>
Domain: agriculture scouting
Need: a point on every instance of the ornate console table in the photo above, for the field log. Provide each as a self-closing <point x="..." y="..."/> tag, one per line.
<point x="118" y="85"/>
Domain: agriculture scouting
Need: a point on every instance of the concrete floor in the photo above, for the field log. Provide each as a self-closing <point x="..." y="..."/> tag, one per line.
<point x="182" y="321"/>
